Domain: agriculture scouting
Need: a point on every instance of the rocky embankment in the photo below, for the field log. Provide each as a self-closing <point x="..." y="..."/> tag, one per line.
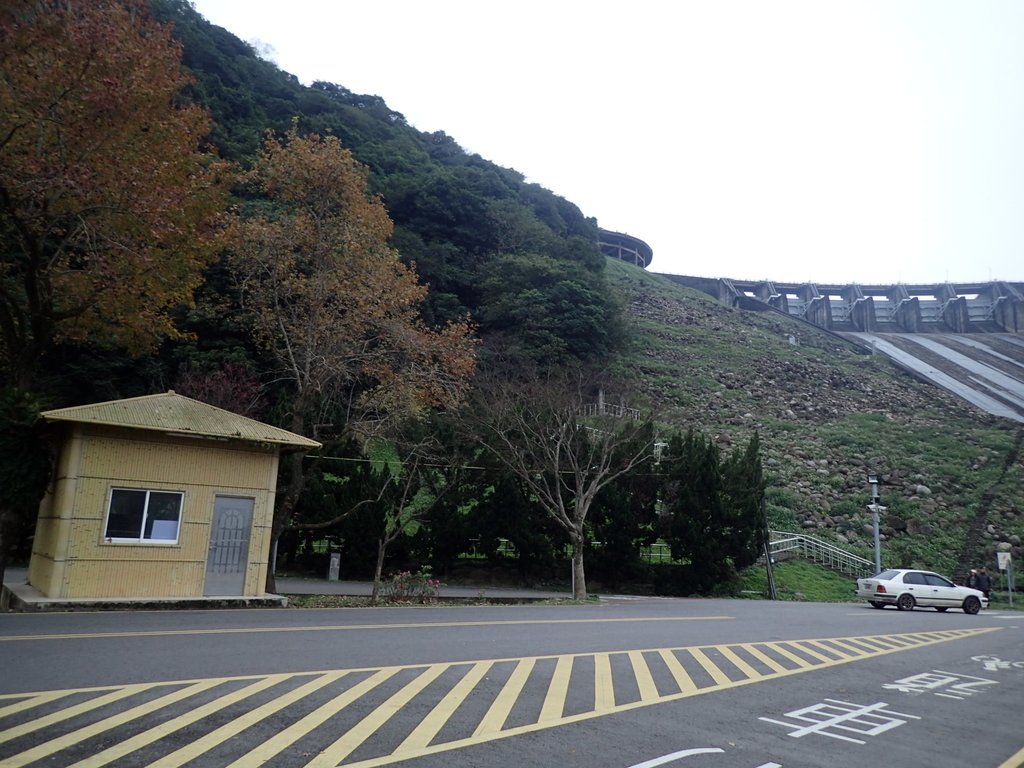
<point x="828" y="414"/>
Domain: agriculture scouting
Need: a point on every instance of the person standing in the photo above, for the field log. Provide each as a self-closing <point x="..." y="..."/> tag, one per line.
<point x="972" y="579"/>
<point x="983" y="582"/>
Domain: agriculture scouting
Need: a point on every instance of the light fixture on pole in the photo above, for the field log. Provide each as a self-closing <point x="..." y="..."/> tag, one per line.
<point x="875" y="509"/>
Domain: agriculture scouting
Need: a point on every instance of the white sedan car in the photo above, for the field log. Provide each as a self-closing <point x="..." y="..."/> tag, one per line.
<point x="907" y="588"/>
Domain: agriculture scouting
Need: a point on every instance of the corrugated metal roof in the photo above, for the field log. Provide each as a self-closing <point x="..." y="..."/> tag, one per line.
<point x="177" y="414"/>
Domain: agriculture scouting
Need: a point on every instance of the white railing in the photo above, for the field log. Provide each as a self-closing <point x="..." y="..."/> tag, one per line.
<point x="819" y="551"/>
<point x="605" y="409"/>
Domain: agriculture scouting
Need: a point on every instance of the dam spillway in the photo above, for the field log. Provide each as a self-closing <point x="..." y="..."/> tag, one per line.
<point x="967" y="338"/>
<point x="991" y="307"/>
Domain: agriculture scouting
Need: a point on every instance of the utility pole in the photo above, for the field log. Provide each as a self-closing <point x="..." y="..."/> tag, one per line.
<point x="875" y="510"/>
<point x="772" y="592"/>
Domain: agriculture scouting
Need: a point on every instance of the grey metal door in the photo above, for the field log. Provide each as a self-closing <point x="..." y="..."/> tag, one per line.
<point x="229" y="546"/>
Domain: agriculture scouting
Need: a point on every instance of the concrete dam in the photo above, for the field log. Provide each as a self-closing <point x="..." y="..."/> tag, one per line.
<point x="967" y="338"/>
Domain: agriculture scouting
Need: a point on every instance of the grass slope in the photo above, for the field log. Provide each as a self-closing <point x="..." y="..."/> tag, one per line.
<point x="827" y="415"/>
<point x="798" y="580"/>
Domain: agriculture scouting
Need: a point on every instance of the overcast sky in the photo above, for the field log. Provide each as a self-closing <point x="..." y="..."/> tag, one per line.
<point x="873" y="141"/>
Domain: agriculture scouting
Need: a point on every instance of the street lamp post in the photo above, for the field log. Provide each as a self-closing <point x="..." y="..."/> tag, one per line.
<point x="875" y="509"/>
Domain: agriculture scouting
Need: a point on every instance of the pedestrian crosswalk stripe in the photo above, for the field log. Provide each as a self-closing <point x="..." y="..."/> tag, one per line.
<point x="604" y="688"/>
<point x="644" y="679"/>
<point x="763" y="657"/>
<point x="58" y="744"/>
<point x="733" y="657"/>
<point x="781" y="650"/>
<point x="191" y="716"/>
<point x="273" y="746"/>
<point x="66" y="713"/>
<point x="557" y="690"/>
<point x="429" y="727"/>
<point x="239" y="724"/>
<point x="681" y="676"/>
<point x="362" y="718"/>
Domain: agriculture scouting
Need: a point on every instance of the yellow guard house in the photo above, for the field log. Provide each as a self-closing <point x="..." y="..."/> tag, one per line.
<point x="158" y="497"/>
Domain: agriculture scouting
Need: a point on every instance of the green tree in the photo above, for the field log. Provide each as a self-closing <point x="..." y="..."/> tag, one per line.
<point x="24" y="469"/>
<point x="505" y="510"/>
<point x="624" y="517"/>
<point x="714" y="506"/>
<point x="545" y="309"/>
<point x="743" y="487"/>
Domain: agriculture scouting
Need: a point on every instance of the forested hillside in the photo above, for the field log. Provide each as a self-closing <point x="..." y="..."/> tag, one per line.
<point x="304" y="256"/>
<point x="518" y="257"/>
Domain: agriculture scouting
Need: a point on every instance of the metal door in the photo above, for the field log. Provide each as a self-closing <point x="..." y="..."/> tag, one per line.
<point x="228" y="557"/>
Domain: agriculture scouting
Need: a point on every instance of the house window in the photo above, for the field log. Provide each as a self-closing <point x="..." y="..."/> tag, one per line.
<point x="143" y="516"/>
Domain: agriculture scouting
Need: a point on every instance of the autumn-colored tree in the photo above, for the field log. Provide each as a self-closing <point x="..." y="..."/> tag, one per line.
<point x="334" y="305"/>
<point x="108" y="208"/>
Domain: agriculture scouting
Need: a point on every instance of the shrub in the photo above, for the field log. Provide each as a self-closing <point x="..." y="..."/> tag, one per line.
<point x="407" y="587"/>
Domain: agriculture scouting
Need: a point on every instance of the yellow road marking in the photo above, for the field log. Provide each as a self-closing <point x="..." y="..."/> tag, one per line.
<point x="554" y="701"/>
<point x="858" y="649"/>
<point x="271" y="747"/>
<point x="52" y="746"/>
<point x="239" y="724"/>
<point x="350" y="741"/>
<point x="717" y="675"/>
<point x="502" y="705"/>
<point x="429" y="727"/>
<point x="369" y="734"/>
<point x="830" y="650"/>
<point x="604" y="688"/>
<point x="192" y="716"/>
<point x="740" y="664"/>
<point x="681" y="676"/>
<point x="475" y="740"/>
<point x="644" y="679"/>
<point x="785" y="653"/>
<point x="886" y="644"/>
<point x="804" y="646"/>
<point x="764" y="658"/>
<point x="351" y="627"/>
<point x="1014" y="761"/>
<point x="27" y="703"/>
<point x="71" y="712"/>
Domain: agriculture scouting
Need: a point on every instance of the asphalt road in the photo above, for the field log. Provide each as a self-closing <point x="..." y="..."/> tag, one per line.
<point x="627" y="683"/>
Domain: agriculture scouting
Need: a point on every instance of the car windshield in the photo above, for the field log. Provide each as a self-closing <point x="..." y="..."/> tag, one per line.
<point x="887" y="575"/>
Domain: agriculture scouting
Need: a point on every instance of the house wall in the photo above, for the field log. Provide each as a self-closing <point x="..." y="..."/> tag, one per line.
<point x="71" y="559"/>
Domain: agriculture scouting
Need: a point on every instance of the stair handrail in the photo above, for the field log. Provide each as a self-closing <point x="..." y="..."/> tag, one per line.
<point x="820" y="551"/>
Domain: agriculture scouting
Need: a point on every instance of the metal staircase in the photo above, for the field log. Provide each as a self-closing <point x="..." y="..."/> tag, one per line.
<point x="783" y="544"/>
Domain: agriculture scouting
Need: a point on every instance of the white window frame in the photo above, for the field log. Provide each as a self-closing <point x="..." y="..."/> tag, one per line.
<point x="140" y="539"/>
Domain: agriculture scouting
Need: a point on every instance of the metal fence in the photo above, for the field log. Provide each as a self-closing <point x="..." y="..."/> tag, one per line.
<point x="783" y="543"/>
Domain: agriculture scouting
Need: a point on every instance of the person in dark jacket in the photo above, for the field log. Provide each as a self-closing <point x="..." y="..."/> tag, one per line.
<point x="983" y="582"/>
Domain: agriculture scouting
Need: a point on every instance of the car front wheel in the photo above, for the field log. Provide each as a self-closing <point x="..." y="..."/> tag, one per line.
<point x="905" y="602"/>
<point x="972" y="605"/>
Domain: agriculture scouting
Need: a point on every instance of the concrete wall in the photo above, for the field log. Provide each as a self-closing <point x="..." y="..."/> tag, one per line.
<point x="996" y="307"/>
<point x="71" y="558"/>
